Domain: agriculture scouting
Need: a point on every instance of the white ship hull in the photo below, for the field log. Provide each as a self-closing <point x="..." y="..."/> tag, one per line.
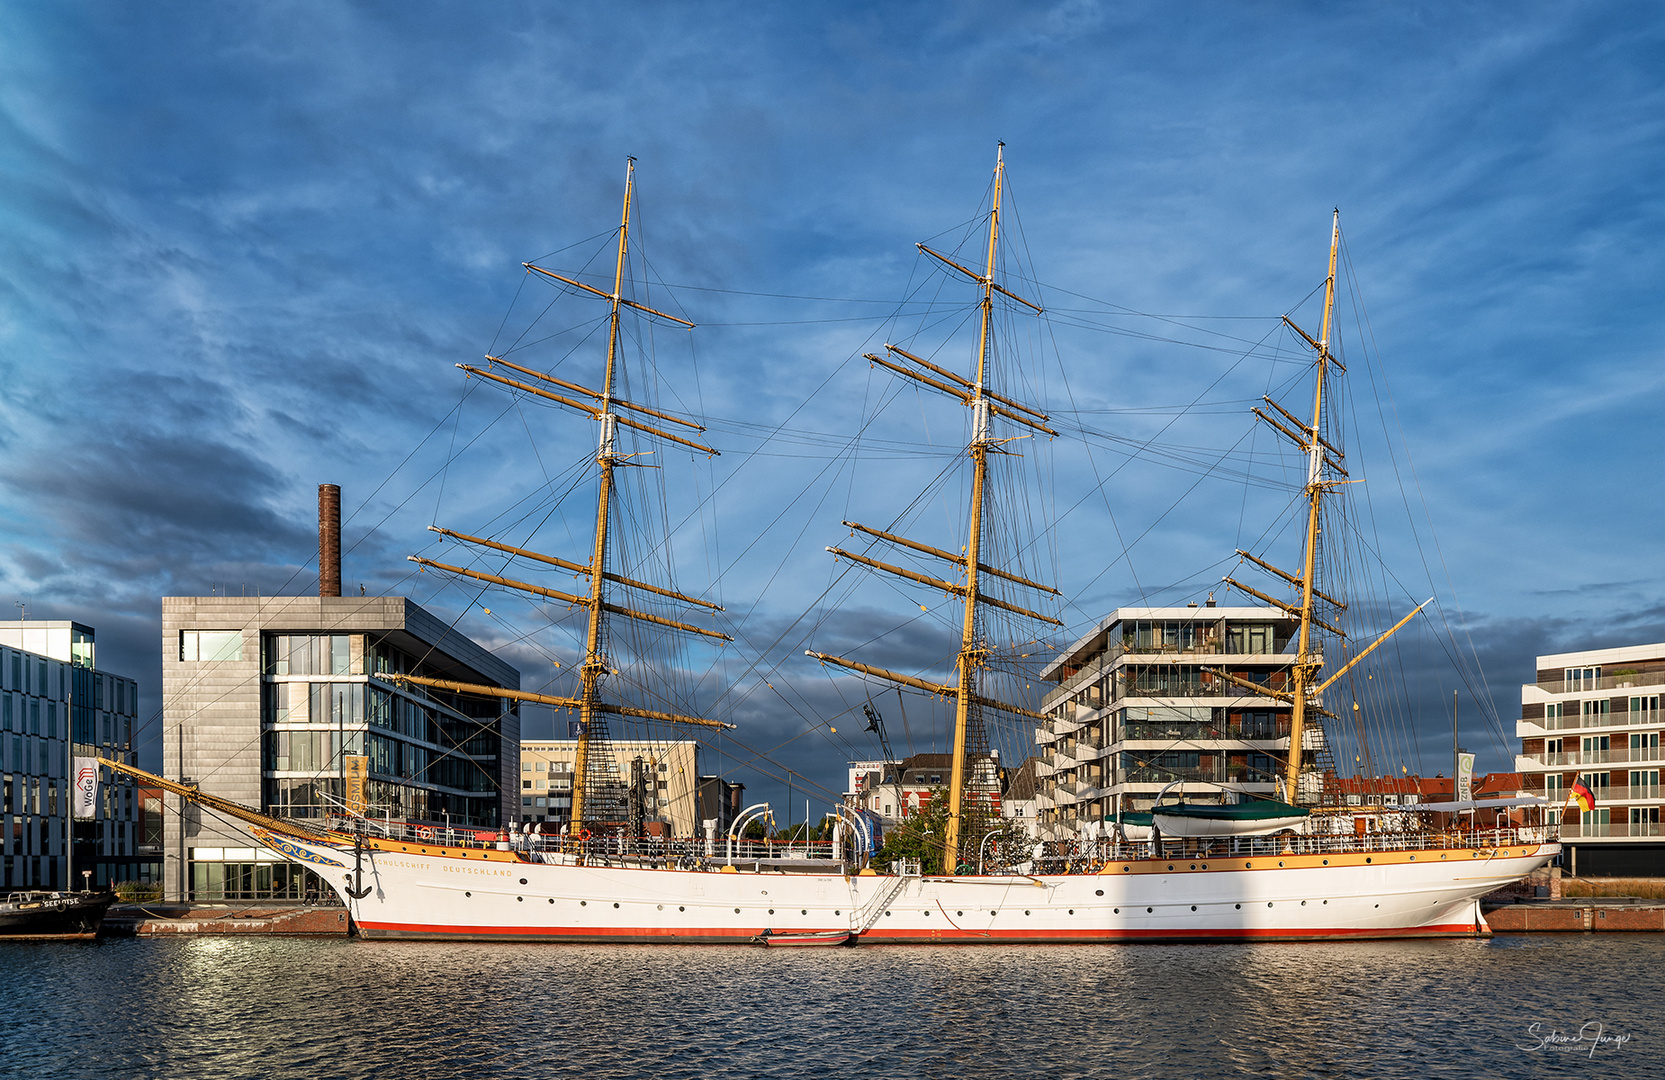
<point x="417" y="891"/>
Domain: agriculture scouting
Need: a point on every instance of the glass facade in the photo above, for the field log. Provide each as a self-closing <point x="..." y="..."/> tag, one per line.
<point x="429" y="760"/>
<point x="53" y="709"/>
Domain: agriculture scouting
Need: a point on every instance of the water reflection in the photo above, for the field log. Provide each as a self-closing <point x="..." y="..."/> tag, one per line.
<point x="223" y="1007"/>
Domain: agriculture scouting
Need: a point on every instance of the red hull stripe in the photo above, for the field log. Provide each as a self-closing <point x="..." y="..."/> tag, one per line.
<point x="657" y="933"/>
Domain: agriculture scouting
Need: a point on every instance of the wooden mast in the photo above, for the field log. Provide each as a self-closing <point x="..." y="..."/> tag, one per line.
<point x="595" y="663"/>
<point x="984" y="403"/>
<point x="972" y="649"/>
<point x="1307" y="661"/>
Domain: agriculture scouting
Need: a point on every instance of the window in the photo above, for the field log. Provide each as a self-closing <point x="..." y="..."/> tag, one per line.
<point x="1597" y="744"/>
<point x="1552" y="715"/>
<point x="540" y="766"/>
<point x="1584" y="678"/>
<point x="526" y="784"/>
<point x="309" y="654"/>
<point x="1644" y="779"/>
<point x="1644" y="710"/>
<point x="209" y="645"/>
<point x="1250" y="638"/>
<point x="1595" y="713"/>
<point x="337" y="703"/>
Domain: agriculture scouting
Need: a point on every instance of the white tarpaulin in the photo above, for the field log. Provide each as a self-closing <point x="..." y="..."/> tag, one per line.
<point x="86" y="788"/>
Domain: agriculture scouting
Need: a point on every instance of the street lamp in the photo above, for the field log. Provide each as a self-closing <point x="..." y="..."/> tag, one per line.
<point x="982" y="843"/>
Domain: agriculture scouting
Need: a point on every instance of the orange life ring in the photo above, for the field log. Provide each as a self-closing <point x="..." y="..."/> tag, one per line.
<point x="583" y="834"/>
<point x="423" y="832"/>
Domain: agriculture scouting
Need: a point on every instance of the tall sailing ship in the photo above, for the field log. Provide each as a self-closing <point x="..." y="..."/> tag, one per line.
<point x="1258" y="870"/>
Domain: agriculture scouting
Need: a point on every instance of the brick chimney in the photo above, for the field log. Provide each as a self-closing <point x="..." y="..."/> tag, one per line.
<point x="329" y="540"/>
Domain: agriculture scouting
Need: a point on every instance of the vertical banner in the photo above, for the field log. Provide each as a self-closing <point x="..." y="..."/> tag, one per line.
<point x="85" y="785"/>
<point x="357" y="768"/>
<point x="1465" y="777"/>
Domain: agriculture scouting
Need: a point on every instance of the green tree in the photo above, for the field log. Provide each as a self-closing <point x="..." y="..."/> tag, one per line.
<point x="918" y="836"/>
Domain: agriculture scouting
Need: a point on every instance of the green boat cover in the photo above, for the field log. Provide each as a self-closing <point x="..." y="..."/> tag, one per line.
<point x="1258" y="810"/>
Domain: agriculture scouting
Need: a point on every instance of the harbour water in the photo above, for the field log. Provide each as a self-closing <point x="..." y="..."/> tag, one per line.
<point x="321" y="1008"/>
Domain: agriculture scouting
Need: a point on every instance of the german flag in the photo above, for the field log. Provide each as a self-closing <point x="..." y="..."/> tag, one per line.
<point x="1586" y="798"/>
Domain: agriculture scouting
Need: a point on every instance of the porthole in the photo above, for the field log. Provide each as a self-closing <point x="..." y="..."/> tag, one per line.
<point x="615" y="905"/>
<point x="1125" y="869"/>
<point x="1100" y="892"/>
<point x="1367" y="859"/>
<point x="771" y="911"/>
<point x="520" y="899"/>
<point x="1413" y="858"/>
<point x="1149" y="910"/>
<point x="1239" y="907"/>
<point x="888" y="913"/>
<point x="926" y="913"/>
<point x="1072" y="911"/>
<point x="1193" y="866"/>
<point x="994" y="913"/>
<point x="1248" y="866"/>
<point x="1280" y="862"/>
<point x="468" y="894"/>
<point x="682" y="909"/>
<point x="1268" y="903"/>
<point x="1205" y="866"/>
<point x="840" y="913"/>
<point x="805" y="911"/>
<point x="1026" y="912"/>
<point x="1303" y="903"/>
<point x="551" y="899"/>
<point x="1326" y="902"/>
<point x="1326" y="862"/>
<point x="1193" y="907"/>
<point x="523" y="881"/>
<point x="961" y="914"/>
<point x="661" y="907"/>
<point x="1117" y="911"/>
<point x="1170" y="866"/>
<point x="737" y="911"/>
<point x="1378" y="905"/>
<point x="1442" y="856"/>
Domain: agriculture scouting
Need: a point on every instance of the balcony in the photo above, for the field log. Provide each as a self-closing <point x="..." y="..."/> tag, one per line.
<point x="1606" y="682"/>
<point x="1647" y="718"/>
<point x="1572" y="830"/>
<point x="1086" y="750"/>
<point x="1622" y="755"/>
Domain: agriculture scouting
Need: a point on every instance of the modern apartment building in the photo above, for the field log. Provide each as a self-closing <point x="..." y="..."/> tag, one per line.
<point x="657" y="784"/>
<point x="55" y="705"/>
<point x="1595" y="715"/>
<point x="1137" y="706"/>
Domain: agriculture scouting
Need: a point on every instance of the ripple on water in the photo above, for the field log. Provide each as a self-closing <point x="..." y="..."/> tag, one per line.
<point x="232" y="1007"/>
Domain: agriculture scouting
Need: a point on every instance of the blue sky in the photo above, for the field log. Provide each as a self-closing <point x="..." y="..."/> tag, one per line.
<point x="243" y="245"/>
